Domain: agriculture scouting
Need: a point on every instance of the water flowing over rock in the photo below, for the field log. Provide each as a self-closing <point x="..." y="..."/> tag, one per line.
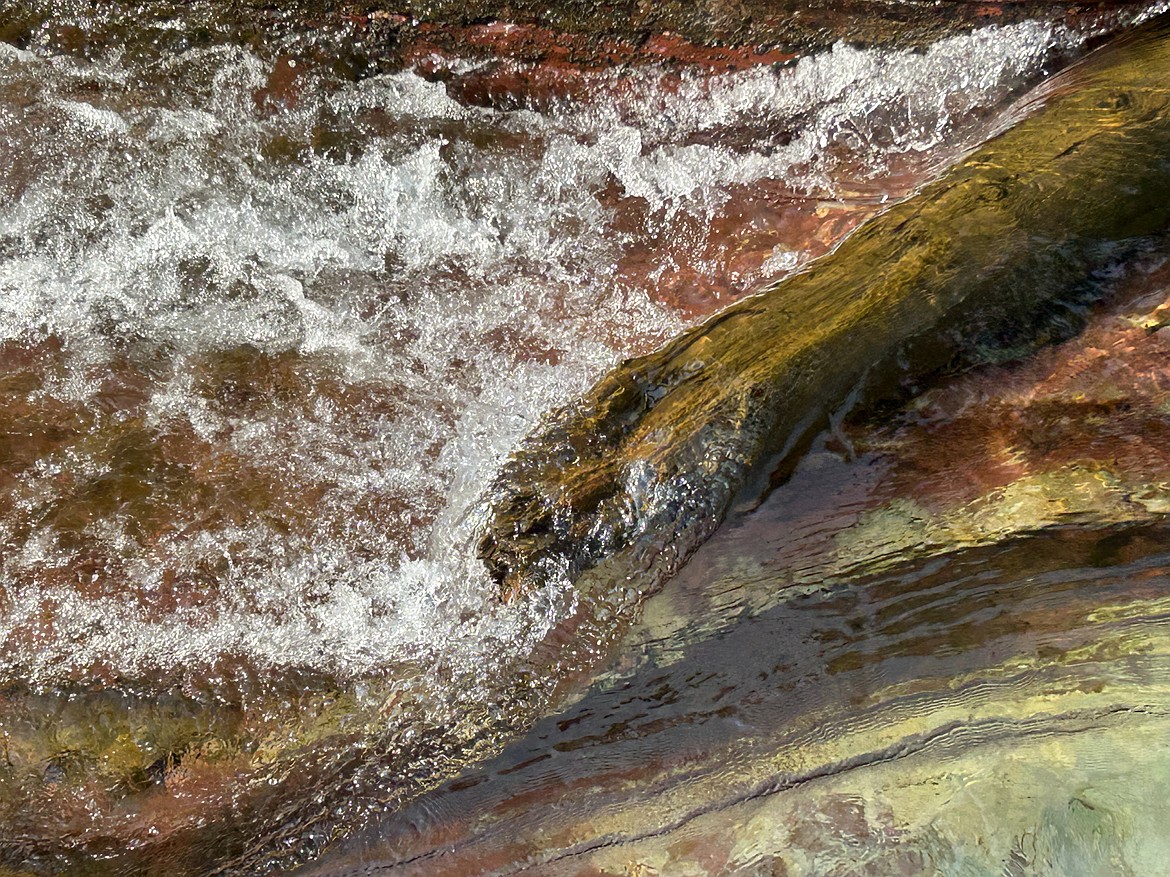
<point x="939" y="647"/>
<point x="281" y="289"/>
<point x="625" y="484"/>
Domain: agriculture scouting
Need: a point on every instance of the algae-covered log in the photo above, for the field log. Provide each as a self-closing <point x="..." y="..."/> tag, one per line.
<point x="632" y="478"/>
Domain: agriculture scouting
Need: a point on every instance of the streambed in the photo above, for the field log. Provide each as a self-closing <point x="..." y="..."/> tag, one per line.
<point x="269" y="330"/>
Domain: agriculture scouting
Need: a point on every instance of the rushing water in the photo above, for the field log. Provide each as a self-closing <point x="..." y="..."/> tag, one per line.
<point x="941" y="654"/>
<point x="322" y="319"/>
<point x="266" y="334"/>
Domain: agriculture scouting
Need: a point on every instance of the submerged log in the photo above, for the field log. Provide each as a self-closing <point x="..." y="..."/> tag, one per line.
<point x="620" y="488"/>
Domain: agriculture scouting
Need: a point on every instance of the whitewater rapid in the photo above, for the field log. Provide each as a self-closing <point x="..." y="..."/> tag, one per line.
<point x="323" y="321"/>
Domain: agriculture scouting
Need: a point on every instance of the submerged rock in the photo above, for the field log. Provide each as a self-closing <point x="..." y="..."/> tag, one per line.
<point x="945" y="654"/>
<point x="992" y="259"/>
<point x="970" y="711"/>
<point x="216" y="759"/>
<point x="210" y="658"/>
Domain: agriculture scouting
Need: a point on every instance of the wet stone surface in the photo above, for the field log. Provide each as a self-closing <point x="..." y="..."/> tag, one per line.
<point x="840" y="683"/>
<point x="282" y="287"/>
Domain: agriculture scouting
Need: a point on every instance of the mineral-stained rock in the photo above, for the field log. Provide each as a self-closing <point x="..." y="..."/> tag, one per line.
<point x="367" y="35"/>
<point x="984" y="263"/>
<point x="942" y="649"/>
<point x="99" y="775"/>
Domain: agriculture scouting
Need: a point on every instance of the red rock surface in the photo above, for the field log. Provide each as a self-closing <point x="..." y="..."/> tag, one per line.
<point x="1098" y="400"/>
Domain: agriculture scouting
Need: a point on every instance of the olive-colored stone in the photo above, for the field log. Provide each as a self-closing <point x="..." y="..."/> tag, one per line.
<point x="988" y="262"/>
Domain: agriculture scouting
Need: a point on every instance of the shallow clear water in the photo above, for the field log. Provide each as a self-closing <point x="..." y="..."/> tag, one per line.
<point x="267" y="334"/>
<point x="998" y="711"/>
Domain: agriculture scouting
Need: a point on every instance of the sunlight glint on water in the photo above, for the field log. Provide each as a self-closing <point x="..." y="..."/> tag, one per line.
<point x="319" y="324"/>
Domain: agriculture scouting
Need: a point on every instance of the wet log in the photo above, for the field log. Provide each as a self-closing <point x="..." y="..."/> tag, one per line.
<point x="617" y="490"/>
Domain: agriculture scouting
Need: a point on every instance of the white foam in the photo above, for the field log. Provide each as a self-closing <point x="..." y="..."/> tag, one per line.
<point x="461" y="283"/>
<point x="89" y="116"/>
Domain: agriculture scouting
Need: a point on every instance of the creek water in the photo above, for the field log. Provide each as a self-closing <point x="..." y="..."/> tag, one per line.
<point x="348" y="337"/>
<point x="268" y="331"/>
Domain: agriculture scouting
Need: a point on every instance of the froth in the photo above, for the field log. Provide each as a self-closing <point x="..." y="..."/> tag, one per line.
<point x="274" y="349"/>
